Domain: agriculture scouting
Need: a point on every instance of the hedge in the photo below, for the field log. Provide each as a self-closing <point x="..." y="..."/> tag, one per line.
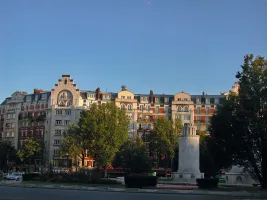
<point x="207" y="183"/>
<point x="140" y="181"/>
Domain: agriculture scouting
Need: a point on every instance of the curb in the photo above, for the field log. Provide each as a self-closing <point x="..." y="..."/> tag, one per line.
<point x="136" y="190"/>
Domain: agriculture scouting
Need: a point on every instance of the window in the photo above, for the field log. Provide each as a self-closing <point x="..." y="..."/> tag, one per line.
<point x="166" y="100"/>
<point x="128" y="97"/>
<point x="58" y="122"/>
<point x="66" y="122"/>
<point x="198" y="110"/>
<point x="143" y="98"/>
<point x="57" y="142"/>
<point x="166" y="109"/>
<point x="58" y="112"/>
<point x="208" y="110"/>
<point x="185" y="99"/>
<point x="122" y="97"/>
<point x="61" y="103"/>
<point x="212" y="100"/>
<point x="187" y="117"/>
<point x="122" y="106"/>
<point x="92" y="95"/>
<point x="207" y="119"/>
<point x="148" y="108"/>
<point x="141" y="107"/>
<point x="12" y="124"/>
<point x="198" y="118"/>
<point x="198" y="128"/>
<point x="12" y="134"/>
<point x="186" y="109"/>
<point x="129" y="107"/>
<point x="57" y="132"/>
<point x="44" y="96"/>
<point x="67" y="112"/>
<point x="179" y="109"/>
<point x="157" y="100"/>
<point x="157" y="110"/>
<point x="68" y="103"/>
<point x="216" y="101"/>
<point x="207" y="101"/>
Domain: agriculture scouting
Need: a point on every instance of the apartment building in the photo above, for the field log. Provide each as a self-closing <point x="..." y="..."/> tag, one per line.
<point x="46" y="115"/>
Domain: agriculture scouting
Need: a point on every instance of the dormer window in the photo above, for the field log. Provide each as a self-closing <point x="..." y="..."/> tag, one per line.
<point x="122" y="97"/>
<point x="128" y="97"/>
<point x="65" y="81"/>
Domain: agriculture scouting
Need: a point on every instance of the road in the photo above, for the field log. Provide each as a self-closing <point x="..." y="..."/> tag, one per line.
<point x="15" y="193"/>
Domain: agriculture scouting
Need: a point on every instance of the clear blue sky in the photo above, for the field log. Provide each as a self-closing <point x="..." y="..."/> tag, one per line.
<point x="164" y="45"/>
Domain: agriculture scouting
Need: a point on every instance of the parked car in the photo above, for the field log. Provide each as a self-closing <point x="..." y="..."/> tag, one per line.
<point x="14" y="176"/>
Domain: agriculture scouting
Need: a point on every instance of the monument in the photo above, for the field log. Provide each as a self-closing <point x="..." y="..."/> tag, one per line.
<point x="188" y="167"/>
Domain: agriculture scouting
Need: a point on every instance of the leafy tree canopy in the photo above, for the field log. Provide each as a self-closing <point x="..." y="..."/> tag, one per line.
<point x="133" y="157"/>
<point x="29" y="148"/>
<point x="239" y="128"/>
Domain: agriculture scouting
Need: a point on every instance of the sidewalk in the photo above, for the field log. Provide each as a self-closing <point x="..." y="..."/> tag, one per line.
<point x="159" y="189"/>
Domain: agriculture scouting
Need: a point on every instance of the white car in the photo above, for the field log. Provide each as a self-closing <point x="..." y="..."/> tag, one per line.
<point x="14" y="176"/>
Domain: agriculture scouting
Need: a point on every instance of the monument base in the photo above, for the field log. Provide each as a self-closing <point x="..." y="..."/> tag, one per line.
<point x="189" y="178"/>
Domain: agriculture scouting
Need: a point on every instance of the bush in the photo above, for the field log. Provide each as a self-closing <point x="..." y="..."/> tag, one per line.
<point x="105" y="181"/>
<point x="207" y="183"/>
<point x="140" y="181"/>
<point x="31" y="177"/>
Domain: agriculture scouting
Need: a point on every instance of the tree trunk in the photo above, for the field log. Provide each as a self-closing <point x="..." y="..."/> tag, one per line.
<point x="264" y="162"/>
<point x="165" y="165"/>
<point x="105" y="172"/>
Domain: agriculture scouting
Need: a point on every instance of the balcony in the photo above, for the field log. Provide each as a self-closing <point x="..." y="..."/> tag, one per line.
<point x="182" y="102"/>
<point x="126" y="100"/>
<point x="201" y="121"/>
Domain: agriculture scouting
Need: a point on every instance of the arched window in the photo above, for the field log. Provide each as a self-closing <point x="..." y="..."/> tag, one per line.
<point x="129" y="107"/>
<point x="186" y="109"/>
<point x="179" y="109"/>
<point x="122" y="106"/>
<point x="61" y="103"/>
<point x="68" y="103"/>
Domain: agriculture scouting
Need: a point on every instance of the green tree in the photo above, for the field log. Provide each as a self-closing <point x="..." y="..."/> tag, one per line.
<point x="30" y="148"/>
<point x="239" y="128"/>
<point x="164" y="138"/>
<point x="7" y="153"/>
<point x="133" y="157"/>
<point x="75" y="143"/>
<point x="101" y="130"/>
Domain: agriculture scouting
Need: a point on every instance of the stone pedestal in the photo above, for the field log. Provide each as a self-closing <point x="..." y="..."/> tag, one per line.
<point x="188" y="169"/>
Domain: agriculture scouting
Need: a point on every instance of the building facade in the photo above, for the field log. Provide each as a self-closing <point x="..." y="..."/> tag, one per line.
<point x="46" y="115"/>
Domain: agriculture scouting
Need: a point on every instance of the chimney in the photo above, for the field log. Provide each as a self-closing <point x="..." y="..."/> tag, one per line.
<point x="203" y="93"/>
<point x="151" y="96"/>
<point x="98" y="93"/>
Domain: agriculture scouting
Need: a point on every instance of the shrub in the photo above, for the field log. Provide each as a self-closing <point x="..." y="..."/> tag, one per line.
<point x="207" y="183"/>
<point x="140" y="181"/>
<point x="105" y="181"/>
<point x="30" y="177"/>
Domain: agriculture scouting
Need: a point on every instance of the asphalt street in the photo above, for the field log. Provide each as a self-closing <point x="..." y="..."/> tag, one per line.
<point x="16" y="193"/>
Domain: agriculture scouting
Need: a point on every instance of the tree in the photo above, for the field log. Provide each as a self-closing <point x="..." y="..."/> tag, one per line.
<point x="164" y="138"/>
<point x="239" y="128"/>
<point x="133" y="157"/>
<point x="101" y="130"/>
<point x="7" y="153"/>
<point x="29" y="148"/>
<point x="75" y="143"/>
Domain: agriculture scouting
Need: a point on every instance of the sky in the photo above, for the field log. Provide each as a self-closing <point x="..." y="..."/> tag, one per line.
<point x="164" y="45"/>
